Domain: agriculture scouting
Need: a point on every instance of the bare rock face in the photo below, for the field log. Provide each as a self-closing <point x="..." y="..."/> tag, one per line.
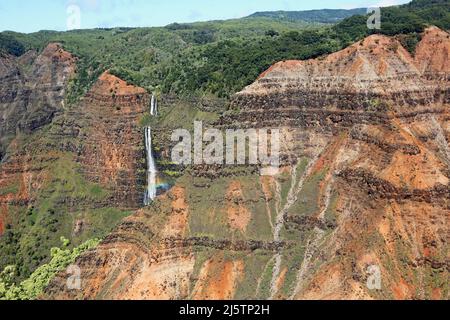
<point x="104" y="133"/>
<point x="362" y="83"/>
<point x="113" y="151"/>
<point x="32" y="90"/>
<point x="12" y="103"/>
<point x="432" y="53"/>
<point x="50" y="74"/>
<point x="360" y="208"/>
<point x="374" y="121"/>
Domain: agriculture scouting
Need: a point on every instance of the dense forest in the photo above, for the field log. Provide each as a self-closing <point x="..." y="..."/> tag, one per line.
<point x="322" y="16"/>
<point x="220" y="57"/>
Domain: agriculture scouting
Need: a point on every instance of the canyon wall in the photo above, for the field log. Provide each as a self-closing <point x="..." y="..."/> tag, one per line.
<point x="364" y="186"/>
<point x="108" y="138"/>
<point x="71" y="171"/>
<point x="32" y="90"/>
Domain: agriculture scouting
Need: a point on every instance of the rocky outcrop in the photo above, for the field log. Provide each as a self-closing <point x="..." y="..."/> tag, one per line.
<point x="11" y="110"/>
<point x="104" y="132"/>
<point x="113" y="152"/>
<point x="49" y="76"/>
<point x="379" y="188"/>
<point x="367" y="82"/>
<point x="32" y="90"/>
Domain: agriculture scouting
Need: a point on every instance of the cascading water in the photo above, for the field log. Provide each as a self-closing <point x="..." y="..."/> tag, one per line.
<point x="154" y="106"/>
<point x="150" y="193"/>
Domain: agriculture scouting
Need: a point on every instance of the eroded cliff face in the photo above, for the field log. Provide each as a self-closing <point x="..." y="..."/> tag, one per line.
<point x="364" y="182"/>
<point x="112" y="151"/>
<point x="77" y="176"/>
<point x="372" y="124"/>
<point x="32" y="90"/>
<point x="31" y="95"/>
<point x="11" y="84"/>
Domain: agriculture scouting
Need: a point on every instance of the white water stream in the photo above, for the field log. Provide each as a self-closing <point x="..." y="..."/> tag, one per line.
<point x="150" y="193"/>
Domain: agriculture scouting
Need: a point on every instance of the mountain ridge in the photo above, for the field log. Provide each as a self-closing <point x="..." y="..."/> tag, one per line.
<point x="318" y="15"/>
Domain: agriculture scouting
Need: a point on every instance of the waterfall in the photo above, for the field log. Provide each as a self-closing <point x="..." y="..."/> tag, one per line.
<point x="150" y="194"/>
<point x="154" y="106"/>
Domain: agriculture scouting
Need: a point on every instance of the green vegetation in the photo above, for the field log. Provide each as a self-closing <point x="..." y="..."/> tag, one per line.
<point x="319" y="16"/>
<point x="410" y="41"/>
<point x="10" y="45"/>
<point x="263" y="286"/>
<point x="221" y="57"/>
<point x="12" y="188"/>
<point x="224" y="67"/>
<point x="34" y="286"/>
<point x="60" y="206"/>
<point x="207" y="216"/>
<point x="292" y="261"/>
<point x="255" y="266"/>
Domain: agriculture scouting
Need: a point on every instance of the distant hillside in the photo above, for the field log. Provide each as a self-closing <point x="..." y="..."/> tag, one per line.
<point x="420" y="4"/>
<point x="318" y="16"/>
<point x="222" y="57"/>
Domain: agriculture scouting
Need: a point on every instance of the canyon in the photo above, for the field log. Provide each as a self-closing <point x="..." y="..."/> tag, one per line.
<point x="364" y="181"/>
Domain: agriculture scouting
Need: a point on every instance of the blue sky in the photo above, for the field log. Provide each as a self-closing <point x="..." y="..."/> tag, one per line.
<point x="31" y="15"/>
